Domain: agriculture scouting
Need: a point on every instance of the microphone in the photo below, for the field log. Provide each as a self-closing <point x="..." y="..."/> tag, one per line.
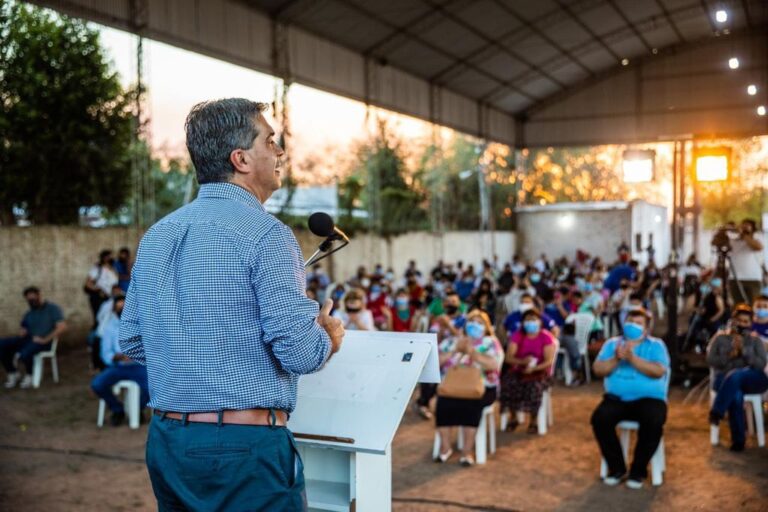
<point x="321" y="224"/>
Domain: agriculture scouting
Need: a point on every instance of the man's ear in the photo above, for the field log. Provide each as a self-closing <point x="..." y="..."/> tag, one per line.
<point x="239" y="160"/>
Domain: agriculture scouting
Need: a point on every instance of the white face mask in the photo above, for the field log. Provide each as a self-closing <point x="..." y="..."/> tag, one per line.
<point x="365" y="282"/>
<point x="525" y="307"/>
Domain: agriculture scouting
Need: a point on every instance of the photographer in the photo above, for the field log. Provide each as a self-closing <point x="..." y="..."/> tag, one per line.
<point x="746" y="260"/>
<point x="737" y="358"/>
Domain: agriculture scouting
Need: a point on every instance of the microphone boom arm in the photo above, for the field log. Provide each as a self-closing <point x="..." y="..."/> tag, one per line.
<point x="317" y="256"/>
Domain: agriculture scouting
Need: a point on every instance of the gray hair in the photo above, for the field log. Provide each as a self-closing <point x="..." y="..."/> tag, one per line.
<point x="216" y="128"/>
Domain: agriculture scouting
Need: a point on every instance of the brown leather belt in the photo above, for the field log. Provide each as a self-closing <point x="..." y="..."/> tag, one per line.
<point x="241" y="417"/>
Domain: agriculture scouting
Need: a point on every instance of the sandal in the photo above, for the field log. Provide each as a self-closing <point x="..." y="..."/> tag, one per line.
<point x="443" y="457"/>
<point x="467" y="461"/>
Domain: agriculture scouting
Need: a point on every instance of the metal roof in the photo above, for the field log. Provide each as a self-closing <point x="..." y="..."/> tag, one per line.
<point x="512" y="54"/>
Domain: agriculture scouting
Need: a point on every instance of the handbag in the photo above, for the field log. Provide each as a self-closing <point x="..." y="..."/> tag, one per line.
<point x="462" y="382"/>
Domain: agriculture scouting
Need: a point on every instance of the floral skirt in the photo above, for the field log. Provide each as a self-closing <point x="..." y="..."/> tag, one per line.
<point x="522" y="395"/>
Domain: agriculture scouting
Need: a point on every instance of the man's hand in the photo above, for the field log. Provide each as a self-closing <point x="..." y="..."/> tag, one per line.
<point x="332" y="326"/>
<point x="39" y="339"/>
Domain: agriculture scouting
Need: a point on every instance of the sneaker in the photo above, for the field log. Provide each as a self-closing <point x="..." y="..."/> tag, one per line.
<point x="613" y="480"/>
<point x="738" y="448"/>
<point x="12" y="380"/>
<point x="26" y="382"/>
<point x="117" y="419"/>
<point x="424" y="412"/>
<point x="576" y="383"/>
<point x="466" y="461"/>
<point x="634" y="483"/>
<point x="443" y="457"/>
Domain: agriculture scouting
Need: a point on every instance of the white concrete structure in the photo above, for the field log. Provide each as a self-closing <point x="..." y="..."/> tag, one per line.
<point x="596" y="227"/>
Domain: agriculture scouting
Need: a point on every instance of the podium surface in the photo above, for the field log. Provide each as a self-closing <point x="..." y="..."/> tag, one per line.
<point x="347" y="415"/>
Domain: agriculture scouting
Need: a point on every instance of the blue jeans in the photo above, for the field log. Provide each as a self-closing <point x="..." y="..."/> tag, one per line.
<point x="571" y="346"/>
<point x="205" y="466"/>
<point x="103" y="382"/>
<point x="731" y="388"/>
<point x="25" y="347"/>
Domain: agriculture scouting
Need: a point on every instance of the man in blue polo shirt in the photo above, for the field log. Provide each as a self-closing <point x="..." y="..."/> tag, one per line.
<point x="43" y="323"/>
<point x="636" y="371"/>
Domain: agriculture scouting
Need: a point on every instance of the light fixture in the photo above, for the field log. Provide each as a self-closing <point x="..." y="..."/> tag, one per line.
<point x="655" y="51"/>
<point x="761" y="110"/>
<point x="751" y="89"/>
<point x="638" y="165"/>
<point x="733" y="63"/>
<point x="624" y="62"/>
<point x="712" y="164"/>
<point x="566" y="221"/>
<point x="721" y="16"/>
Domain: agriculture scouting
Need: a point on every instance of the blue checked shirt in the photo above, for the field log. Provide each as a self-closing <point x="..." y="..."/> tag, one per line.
<point x="216" y="308"/>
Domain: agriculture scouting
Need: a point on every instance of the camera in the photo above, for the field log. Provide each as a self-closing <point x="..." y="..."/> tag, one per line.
<point x="721" y="240"/>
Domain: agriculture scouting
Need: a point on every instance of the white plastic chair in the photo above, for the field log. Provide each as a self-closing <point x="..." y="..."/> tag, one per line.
<point x="37" y="364"/>
<point x="485" y="437"/>
<point x="132" y="403"/>
<point x="658" y="461"/>
<point x="753" y="405"/>
<point x="583" y="327"/>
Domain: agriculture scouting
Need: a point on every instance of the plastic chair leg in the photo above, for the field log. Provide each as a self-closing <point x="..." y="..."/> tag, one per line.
<point x="133" y="407"/>
<point x="714" y="435"/>
<point x="587" y="370"/>
<point x="37" y="371"/>
<point x="55" y="369"/>
<point x="481" y="449"/>
<point x="100" y="417"/>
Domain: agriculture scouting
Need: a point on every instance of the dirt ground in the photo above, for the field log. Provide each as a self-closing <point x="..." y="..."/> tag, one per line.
<point x="54" y="458"/>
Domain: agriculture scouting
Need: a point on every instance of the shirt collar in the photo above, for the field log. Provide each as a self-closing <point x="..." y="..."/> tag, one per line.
<point x="224" y="190"/>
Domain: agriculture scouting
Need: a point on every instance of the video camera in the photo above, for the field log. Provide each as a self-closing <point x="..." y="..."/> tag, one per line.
<point x="721" y="240"/>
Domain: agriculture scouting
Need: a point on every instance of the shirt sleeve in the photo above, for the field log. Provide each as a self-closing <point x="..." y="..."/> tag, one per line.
<point x="608" y="351"/>
<point x="93" y="273"/>
<point x="288" y="317"/>
<point x="109" y="344"/>
<point x="658" y="354"/>
<point x="56" y="314"/>
<point x="130" y="340"/>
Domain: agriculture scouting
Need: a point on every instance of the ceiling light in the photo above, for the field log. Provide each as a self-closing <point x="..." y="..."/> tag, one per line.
<point x="655" y="51"/>
<point x="733" y="63"/>
<point x="624" y="62"/>
<point x="721" y="16"/>
<point x="761" y="110"/>
<point x="751" y="89"/>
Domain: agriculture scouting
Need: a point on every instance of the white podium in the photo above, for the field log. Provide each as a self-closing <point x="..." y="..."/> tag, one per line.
<point x="347" y="415"/>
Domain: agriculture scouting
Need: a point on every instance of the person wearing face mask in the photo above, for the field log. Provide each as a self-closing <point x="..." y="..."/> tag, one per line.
<point x="760" y="318"/>
<point x="401" y="315"/>
<point x="530" y="353"/>
<point x="635" y="367"/>
<point x="40" y="325"/>
<point x="98" y="285"/>
<point x="514" y="321"/>
<point x="377" y="304"/>
<point x="474" y="346"/>
<point x="118" y="367"/>
<point x="484" y="298"/>
<point x="336" y="294"/>
<point x="447" y="324"/>
<point x="355" y="316"/>
<point x="737" y="358"/>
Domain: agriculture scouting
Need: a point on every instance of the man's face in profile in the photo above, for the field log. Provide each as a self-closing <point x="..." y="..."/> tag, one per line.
<point x="265" y="158"/>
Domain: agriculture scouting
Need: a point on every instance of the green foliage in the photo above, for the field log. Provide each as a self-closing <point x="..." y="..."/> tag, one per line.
<point x="65" y="122"/>
<point x="379" y="184"/>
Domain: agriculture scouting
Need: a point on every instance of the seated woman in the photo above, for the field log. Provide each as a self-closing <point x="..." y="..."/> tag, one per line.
<point x="530" y="354"/>
<point x="401" y="317"/>
<point x="354" y="315"/>
<point x="478" y="347"/>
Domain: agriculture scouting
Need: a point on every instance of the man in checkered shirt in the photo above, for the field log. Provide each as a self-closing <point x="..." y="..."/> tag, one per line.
<point x="217" y="311"/>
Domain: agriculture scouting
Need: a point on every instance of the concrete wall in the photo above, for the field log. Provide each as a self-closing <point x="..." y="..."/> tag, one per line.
<point x="649" y="222"/>
<point x="560" y="233"/>
<point x="57" y="260"/>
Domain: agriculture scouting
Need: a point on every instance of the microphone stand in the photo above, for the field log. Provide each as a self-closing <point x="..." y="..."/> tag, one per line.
<point x="327" y="243"/>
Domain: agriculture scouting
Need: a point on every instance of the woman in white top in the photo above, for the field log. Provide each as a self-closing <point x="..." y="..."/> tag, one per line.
<point x="101" y="278"/>
<point x="354" y="314"/>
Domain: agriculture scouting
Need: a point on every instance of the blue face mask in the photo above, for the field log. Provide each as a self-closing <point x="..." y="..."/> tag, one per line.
<point x="375" y="289"/>
<point x="338" y="294"/>
<point x="704" y="289"/>
<point x="764" y="291"/>
<point x="633" y="331"/>
<point x="588" y="287"/>
<point x="717" y="282"/>
<point x="531" y="326"/>
<point x="401" y="303"/>
<point x="475" y="330"/>
<point x="535" y="278"/>
<point x="761" y="313"/>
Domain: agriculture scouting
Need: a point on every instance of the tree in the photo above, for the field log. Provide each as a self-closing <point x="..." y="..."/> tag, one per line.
<point x="393" y="199"/>
<point x="65" y="121"/>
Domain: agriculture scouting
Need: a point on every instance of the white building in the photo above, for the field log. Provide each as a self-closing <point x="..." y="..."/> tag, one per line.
<point x="597" y="228"/>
